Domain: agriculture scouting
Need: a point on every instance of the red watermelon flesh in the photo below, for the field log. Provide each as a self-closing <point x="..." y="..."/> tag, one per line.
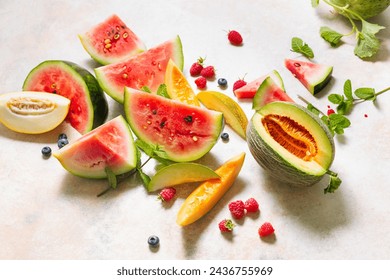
<point x="111" y="41"/>
<point x="250" y="89"/>
<point x="183" y="132"/>
<point x="146" y="69"/>
<point x="269" y="92"/>
<point x="110" y="145"/>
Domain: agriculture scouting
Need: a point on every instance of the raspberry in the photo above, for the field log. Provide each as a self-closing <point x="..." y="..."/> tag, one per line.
<point x="330" y="112"/>
<point x="234" y="38"/>
<point x="251" y="205"/>
<point x="208" y="72"/>
<point x="237" y="209"/>
<point x="196" y="67"/>
<point x="266" y="229"/>
<point x="238" y="84"/>
<point x="201" y="82"/>
<point x="167" y="194"/>
<point x="226" y="225"/>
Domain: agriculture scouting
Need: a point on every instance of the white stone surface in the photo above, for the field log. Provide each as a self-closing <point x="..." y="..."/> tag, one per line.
<point x="46" y="213"/>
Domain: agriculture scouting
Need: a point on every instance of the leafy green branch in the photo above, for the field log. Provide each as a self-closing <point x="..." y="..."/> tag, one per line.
<point x="367" y="42"/>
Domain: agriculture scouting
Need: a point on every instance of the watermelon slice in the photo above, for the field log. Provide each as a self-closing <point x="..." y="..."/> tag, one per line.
<point x="111" y="145"/>
<point x="146" y="69"/>
<point x="268" y="92"/>
<point x="111" y="41"/>
<point x="250" y="89"/>
<point x="178" y="131"/>
<point x="88" y="105"/>
<point x="312" y="75"/>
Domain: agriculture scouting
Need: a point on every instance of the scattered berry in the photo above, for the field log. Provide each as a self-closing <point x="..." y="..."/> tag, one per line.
<point x="235" y="38"/>
<point x="365" y="115"/>
<point x="251" y="205"/>
<point x="237" y="209"/>
<point x="153" y="241"/>
<point x="238" y="84"/>
<point x="46" y="151"/>
<point x="62" y="136"/>
<point x="225" y="136"/>
<point x="208" y="72"/>
<point x="266" y="229"/>
<point x="62" y="142"/>
<point x="226" y="225"/>
<point x="196" y="67"/>
<point x="167" y="194"/>
<point x="201" y="82"/>
<point x="222" y="82"/>
<point x="330" y="112"/>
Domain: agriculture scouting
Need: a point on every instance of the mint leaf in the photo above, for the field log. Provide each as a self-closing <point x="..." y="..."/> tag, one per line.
<point x="144" y="177"/>
<point x="112" y="181"/>
<point x="313" y="109"/>
<point x="335" y="98"/>
<point x="338" y="120"/>
<point x="334" y="184"/>
<point x="298" y="46"/>
<point x="315" y="3"/>
<point x="331" y="36"/>
<point x="365" y="93"/>
<point x="162" y="91"/>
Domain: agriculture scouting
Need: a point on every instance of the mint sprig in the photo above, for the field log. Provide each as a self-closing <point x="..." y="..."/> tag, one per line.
<point x="299" y="46"/>
<point x="367" y="43"/>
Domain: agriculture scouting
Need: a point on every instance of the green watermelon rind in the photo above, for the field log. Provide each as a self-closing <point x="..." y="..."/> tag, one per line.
<point x="218" y="119"/>
<point x="118" y="96"/>
<point x="95" y="98"/>
<point x="131" y="164"/>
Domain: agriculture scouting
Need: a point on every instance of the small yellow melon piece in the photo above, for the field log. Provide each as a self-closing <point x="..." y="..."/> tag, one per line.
<point x="32" y="112"/>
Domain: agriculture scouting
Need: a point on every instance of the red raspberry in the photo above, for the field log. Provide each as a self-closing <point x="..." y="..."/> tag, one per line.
<point x="251" y="205"/>
<point x="330" y="112"/>
<point x="226" y="225"/>
<point x="167" y="194"/>
<point x="197" y="67"/>
<point x="201" y="82"/>
<point x="266" y="229"/>
<point x="208" y="72"/>
<point x="238" y="84"/>
<point x="234" y="38"/>
<point x="237" y="209"/>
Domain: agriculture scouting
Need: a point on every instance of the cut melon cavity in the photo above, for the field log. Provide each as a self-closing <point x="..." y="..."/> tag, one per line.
<point x="146" y="69"/>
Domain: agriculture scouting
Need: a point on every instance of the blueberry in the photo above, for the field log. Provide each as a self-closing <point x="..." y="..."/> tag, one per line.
<point x="46" y="151"/>
<point x="222" y="82"/>
<point x="225" y="136"/>
<point x="62" y="142"/>
<point x="153" y="241"/>
<point x="62" y="136"/>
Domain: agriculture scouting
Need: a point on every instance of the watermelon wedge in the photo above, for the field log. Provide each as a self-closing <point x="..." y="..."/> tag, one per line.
<point x="313" y="76"/>
<point x="178" y="131"/>
<point x="111" y="145"/>
<point x="268" y="92"/>
<point x="250" y="89"/>
<point x="111" y="41"/>
<point x="146" y="69"/>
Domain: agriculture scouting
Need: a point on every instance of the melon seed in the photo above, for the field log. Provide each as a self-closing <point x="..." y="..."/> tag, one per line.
<point x="292" y="136"/>
<point x="30" y="106"/>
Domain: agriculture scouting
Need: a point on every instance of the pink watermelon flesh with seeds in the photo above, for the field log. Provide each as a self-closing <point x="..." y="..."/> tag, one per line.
<point x="146" y="69"/>
<point x="269" y="92"/>
<point x="250" y="89"/>
<point x="111" y="145"/>
<point x="111" y="41"/>
<point x="183" y="132"/>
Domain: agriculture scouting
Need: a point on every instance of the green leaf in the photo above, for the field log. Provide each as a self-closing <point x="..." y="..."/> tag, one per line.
<point x="148" y="149"/>
<point x="368" y="44"/>
<point x="342" y="108"/>
<point x="315" y="3"/>
<point x="331" y="36"/>
<point x="338" y="120"/>
<point x="146" y="89"/>
<point x="298" y="46"/>
<point x="334" y="184"/>
<point x="348" y="89"/>
<point x="365" y="93"/>
<point x="336" y="98"/>
<point x="144" y="177"/>
<point x="112" y="181"/>
<point x="313" y="109"/>
<point x="162" y="91"/>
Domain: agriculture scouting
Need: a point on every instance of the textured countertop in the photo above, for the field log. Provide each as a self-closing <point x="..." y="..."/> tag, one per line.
<point x="47" y="213"/>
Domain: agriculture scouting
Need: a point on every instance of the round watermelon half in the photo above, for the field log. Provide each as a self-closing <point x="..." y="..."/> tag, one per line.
<point x="111" y="41"/>
<point x="146" y="69"/>
<point x="111" y="145"/>
<point x="88" y="105"/>
<point x="178" y="131"/>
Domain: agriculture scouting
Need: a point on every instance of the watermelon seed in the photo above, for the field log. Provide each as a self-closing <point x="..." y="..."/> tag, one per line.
<point x="117" y="27"/>
<point x="154" y="112"/>
<point x="149" y="122"/>
<point x="159" y="66"/>
<point x="194" y="138"/>
<point x="162" y="124"/>
<point x="107" y="41"/>
<point x="124" y="76"/>
<point x="296" y="64"/>
<point x="116" y="36"/>
<point x="107" y="46"/>
<point x="125" y="35"/>
<point x="188" y="119"/>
